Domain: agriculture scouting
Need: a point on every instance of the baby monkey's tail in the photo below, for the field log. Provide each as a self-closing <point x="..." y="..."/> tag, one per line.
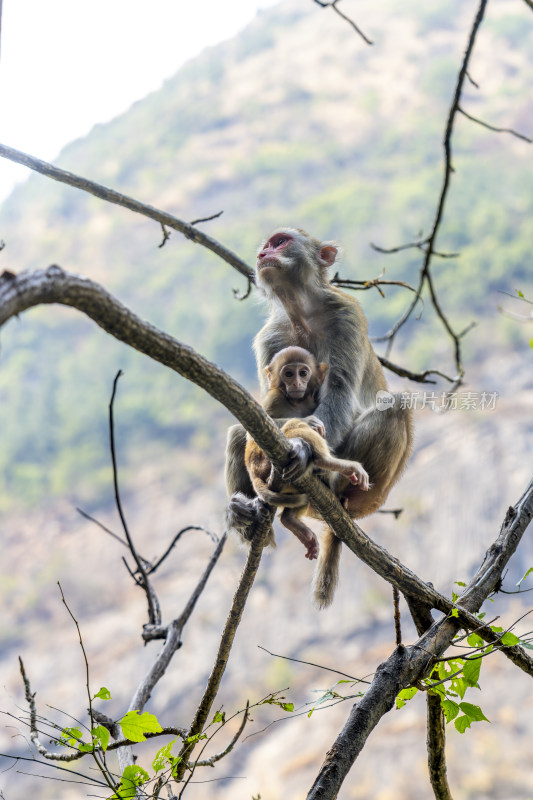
<point x="326" y="574"/>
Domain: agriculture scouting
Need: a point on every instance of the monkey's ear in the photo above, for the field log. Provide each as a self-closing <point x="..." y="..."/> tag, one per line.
<point x="328" y="253"/>
<point x="323" y="368"/>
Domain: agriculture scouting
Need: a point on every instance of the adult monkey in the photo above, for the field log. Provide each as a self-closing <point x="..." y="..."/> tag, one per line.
<point x="307" y="311"/>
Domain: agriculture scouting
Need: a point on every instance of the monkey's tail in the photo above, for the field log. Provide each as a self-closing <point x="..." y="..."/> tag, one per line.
<point x="326" y="574"/>
<point x="279" y="498"/>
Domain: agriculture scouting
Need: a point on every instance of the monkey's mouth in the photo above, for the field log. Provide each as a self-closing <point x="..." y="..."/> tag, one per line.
<point x="267" y="262"/>
<point x="297" y="395"/>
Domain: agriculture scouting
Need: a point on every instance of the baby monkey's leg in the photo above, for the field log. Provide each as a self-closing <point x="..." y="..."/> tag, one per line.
<point x="289" y="518"/>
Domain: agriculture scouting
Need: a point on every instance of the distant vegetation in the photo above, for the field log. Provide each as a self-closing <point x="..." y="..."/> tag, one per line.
<point x="350" y="149"/>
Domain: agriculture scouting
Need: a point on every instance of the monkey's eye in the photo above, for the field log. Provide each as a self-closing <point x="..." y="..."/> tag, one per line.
<point x="304" y="373"/>
<point x="289" y="373"/>
<point x="279" y="240"/>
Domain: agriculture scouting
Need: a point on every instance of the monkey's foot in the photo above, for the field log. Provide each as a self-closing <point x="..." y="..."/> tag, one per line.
<point x="244" y="513"/>
<point x="357" y="475"/>
<point x="299" y="461"/>
<point x="312" y="548"/>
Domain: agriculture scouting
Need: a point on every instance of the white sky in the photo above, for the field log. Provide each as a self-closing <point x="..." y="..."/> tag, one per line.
<point x="66" y="64"/>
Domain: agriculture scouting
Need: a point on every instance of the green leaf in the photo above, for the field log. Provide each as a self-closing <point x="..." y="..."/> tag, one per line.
<point x="135" y="725"/>
<point x="519" y="293"/>
<point x="474" y="640"/>
<point x="103" y="694"/>
<point x="525" y="644"/>
<point x="454" y="613"/>
<point x="471" y="671"/>
<point x="462" y="723"/>
<point x="473" y="712"/>
<point x="460" y="583"/>
<point x="71" y="737"/>
<point x="272" y="701"/>
<point x="460" y="686"/>
<point x="404" y="695"/>
<point x="196" y="738"/>
<point x="509" y="639"/>
<point x="162" y="757"/>
<point x="531" y="343"/>
<point x="100" y="736"/>
<point x="450" y="709"/>
<point x="132" y="777"/>
<point x="530" y="570"/>
<point x="220" y="716"/>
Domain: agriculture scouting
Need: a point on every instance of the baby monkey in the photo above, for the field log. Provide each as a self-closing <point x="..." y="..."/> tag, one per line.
<point x="295" y="378"/>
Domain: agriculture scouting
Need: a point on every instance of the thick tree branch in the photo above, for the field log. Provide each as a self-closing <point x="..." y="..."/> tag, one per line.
<point x="187" y="229"/>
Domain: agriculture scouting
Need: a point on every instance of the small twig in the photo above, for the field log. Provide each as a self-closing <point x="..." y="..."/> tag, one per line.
<point x="177" y="537"/>
<point x="397" y="622"/>
<point x="166" y="236"/>
<point x="312" y="664"/>
<point x="493" y="127"/>
<point x="206" y="219"/>
<point x="210" y="762"/>
<point x="472" y="81"/>
<point x="417" y="377"/>
<point x="347" y="283"/>
<point x="86" y="660"/>
<point x="154" y="614"/>
<point x="333" y="4"/>
<point x="394" y="511"/>
<point x="422" y="245"/>
<point x="90" y="780"/>
<point x="160" y="632"/>
<point x="243" y="295"/>
<point x="103" y="527"/>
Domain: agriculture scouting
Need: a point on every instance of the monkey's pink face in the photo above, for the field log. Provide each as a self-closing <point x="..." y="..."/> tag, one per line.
<point x="273" y="250"/>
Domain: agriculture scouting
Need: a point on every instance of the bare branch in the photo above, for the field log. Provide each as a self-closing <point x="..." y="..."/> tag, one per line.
<point x="206" y="219"/>
<point x="210" y="762"/>
<point x="119" y="199"/>
<point x="214" y="538"/>
<point x="418" y="377"/>
<point x="228" y="635"/>
<point x="333" y="4"/>
<point x="493" y="127"/>
<point x="428" y="244"/>
<point x="312" y="664"/>
<point x="397" y="621"/>
<point x="154" y="611"/>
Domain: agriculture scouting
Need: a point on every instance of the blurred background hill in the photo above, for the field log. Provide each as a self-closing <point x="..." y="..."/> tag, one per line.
<point x="295" y="121"/>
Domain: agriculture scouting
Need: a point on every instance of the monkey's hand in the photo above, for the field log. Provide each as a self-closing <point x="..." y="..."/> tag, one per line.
<point x="317" y="425"/>
<point x="300" y="459"/>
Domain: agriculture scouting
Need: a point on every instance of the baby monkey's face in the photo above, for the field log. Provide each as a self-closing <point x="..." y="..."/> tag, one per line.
<point x="295" y="378"/>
